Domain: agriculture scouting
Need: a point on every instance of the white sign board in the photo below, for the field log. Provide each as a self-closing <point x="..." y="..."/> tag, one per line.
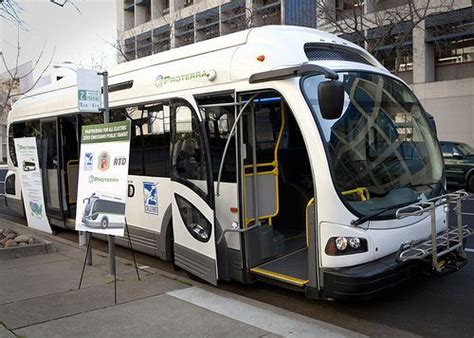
<point x="31" y="183"/>
<point x="103" y="171"/>
<point x="88" y="90"/>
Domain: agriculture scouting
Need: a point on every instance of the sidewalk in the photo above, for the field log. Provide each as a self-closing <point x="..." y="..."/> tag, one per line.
<point x="39" y="298"/>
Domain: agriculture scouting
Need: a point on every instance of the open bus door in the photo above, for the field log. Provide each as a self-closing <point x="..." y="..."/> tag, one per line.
<point x="193" y="205"/>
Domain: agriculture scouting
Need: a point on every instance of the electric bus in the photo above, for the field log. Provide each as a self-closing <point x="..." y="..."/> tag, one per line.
<point x="103" y="211"/>
<point x="279" y="153"/>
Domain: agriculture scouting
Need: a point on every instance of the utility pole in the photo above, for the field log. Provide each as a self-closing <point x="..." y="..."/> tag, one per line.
<point x="106" y="109"/>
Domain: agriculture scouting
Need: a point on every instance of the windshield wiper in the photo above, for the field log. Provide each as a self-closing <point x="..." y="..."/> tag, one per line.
<point x="363" y="219"/>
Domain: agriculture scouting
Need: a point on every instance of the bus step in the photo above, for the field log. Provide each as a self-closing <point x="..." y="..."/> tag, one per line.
<point x="291" y="268"/>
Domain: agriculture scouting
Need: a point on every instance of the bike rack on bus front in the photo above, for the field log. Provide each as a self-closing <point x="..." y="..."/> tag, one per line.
<point x="447" y="240"/>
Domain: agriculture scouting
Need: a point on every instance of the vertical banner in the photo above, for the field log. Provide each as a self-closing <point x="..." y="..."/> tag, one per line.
<point x="31" y="183"/>
<point x="103" y="171"/>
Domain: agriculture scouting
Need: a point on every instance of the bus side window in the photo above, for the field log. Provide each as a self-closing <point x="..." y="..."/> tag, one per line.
<point x="22" y="129"/>
<point x="150" y="139"/>
<point x="218" y="114"/>
<point x="218" y="123"/>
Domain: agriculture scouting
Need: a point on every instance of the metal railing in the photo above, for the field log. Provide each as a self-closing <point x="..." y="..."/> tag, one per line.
<point x="439" y="244"/>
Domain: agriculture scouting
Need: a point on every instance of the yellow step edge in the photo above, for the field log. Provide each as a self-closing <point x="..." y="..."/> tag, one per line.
<point x="280" y="277"/>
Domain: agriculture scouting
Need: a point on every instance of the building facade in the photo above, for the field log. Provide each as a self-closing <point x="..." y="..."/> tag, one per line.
<point x="431" y="47"/>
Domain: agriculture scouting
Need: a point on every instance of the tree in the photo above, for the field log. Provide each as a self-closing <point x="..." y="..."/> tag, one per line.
<point x="382" y="30"/>
<point x="10" y="85"/>
<point x="10" y="11"/>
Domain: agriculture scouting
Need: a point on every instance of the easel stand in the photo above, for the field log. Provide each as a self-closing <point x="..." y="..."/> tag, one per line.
<point x="112" y="260"/>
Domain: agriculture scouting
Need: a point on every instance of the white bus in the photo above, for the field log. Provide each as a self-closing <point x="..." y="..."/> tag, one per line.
<point x="103" y="211"/>
<point x="278" y="153"/>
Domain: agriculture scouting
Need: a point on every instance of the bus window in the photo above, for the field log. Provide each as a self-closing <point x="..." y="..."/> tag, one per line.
<point x="218" y="123"/>
<point x="22" y="129"/>
<point x="150" y="141"/>
<point x="188" y="160"/>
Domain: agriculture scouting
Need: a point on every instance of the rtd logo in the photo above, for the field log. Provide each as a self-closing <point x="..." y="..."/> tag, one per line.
<point x="120" y="161"/>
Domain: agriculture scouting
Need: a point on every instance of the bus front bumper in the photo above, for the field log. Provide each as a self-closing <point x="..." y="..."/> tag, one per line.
<point x="368" y="280"/>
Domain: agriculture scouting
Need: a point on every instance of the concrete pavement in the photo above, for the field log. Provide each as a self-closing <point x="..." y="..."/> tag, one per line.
<point x="39" y="298"/>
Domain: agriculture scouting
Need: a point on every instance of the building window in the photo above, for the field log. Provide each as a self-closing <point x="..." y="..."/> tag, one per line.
<point x="184" y="31"/>
<point x="233" y="17"/>
<point x="267" y="12"/>
<point x="392" y="45"/>
<point x="207" y="24"/>
<point x="452" y="34"/>
<point x="144" y="45"/>
<point x="129" y="49"/>
<point x="349" y="8"/>
<point x="161" y="39"/>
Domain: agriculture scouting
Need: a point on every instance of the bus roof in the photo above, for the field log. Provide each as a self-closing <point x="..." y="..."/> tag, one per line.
<point x="222" y="60"/>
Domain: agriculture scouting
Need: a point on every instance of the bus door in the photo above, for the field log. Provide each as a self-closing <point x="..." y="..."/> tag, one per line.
<point x="69" y="162"/>
<point x="193" y="202"/>
<point x="50" y="167"/>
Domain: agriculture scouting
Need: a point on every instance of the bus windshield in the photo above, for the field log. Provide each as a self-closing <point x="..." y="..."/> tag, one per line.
<point x="88" y="202"/>
<point x="381" y="150"/>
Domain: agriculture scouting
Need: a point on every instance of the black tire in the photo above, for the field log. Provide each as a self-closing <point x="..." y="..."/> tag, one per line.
<point x="470" y="184"/>
<point x="104" y="223"/>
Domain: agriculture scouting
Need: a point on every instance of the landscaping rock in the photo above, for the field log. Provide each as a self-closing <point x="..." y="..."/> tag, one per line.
<point x="11" y="235"/>
<point x="3" y="241"/>
<point x="10" y="243"/>
<point x="23" y="238"/>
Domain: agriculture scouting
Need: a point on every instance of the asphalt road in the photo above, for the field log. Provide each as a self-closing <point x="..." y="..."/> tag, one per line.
<point x="425" y="305"/>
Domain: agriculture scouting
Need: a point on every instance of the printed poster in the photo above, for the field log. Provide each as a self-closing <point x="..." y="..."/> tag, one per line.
<point x="103" y="171"/>
<point x="31" y="183"/>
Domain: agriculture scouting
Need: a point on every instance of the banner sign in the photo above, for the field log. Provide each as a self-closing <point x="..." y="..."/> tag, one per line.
<point x="103" y="171"/>
<point x="88" y="90"/>
<point x="31" y="183"/>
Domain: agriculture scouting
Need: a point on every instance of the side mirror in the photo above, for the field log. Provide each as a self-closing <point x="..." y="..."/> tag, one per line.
<point x="331" y="99"/>
<point x="457" y="155"/>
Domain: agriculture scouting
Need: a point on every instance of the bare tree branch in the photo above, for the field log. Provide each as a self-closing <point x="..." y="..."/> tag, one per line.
<point x="382" y="28"/>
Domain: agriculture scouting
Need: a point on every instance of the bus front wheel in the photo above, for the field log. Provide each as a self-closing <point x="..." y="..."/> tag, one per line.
<point x="104" y="223"/>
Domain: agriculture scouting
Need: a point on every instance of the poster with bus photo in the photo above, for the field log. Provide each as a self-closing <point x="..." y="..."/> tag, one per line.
<point x="103" y="170"/>
<point x="31" y="183"/>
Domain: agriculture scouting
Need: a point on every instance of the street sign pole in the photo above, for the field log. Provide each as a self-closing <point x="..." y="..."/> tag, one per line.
<point x="111" y="238"/>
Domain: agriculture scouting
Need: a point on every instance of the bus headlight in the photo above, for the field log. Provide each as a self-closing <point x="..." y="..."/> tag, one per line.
<point x="341" y="243"/>
<point x="354" y="242"/>
<point x="337" y="246"/>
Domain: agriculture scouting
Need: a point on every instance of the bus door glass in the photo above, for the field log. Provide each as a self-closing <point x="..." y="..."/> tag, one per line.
<point x="193" y="194"/>
<point x="69" y="164"/>
<point x="50" y="167"/>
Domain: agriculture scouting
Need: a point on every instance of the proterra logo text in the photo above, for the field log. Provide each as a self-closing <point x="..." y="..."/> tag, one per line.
<point x="95" y="179"/>
<point x="163" y="80"/>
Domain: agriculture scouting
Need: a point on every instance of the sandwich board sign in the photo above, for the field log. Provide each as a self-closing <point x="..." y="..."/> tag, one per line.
<point x="88" y="90"/>
<point x="103" y="184"/>
<point x="31" y="183"/>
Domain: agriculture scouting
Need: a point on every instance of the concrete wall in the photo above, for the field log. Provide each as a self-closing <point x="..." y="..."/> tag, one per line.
<point x="452" y="105"/>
